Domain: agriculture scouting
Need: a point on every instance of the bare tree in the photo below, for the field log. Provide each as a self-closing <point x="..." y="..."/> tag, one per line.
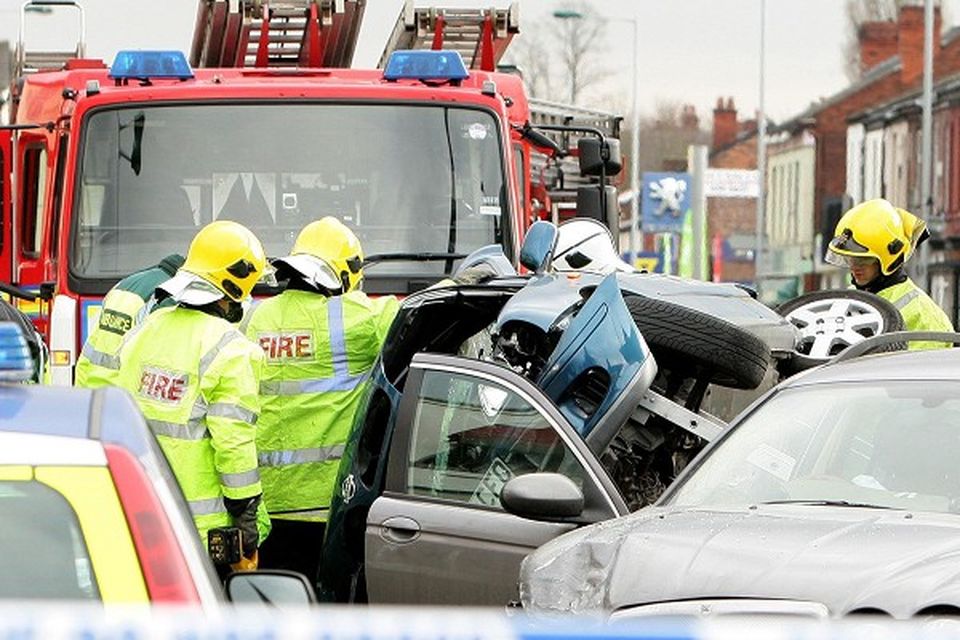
<point x="666" y="134"/>
<point x="581" y="39"/>
<point x="532" y="55"/>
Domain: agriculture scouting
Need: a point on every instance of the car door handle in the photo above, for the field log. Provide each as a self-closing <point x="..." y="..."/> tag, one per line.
<point x="400" y="529"/>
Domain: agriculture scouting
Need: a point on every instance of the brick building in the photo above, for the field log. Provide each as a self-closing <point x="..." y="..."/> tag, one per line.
<point x="891" y="55"/>
<point x="731" y="222"/>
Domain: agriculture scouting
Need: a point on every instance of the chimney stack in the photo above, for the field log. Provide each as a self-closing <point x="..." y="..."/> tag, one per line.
<point x="878" y="42"/>
<point x="688" y="118"/>
<point x="725" y="127"/>
<point x="910" y="41"/>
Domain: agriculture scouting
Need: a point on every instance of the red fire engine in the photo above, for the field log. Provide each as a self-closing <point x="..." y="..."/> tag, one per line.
<point x="107" y="170"/>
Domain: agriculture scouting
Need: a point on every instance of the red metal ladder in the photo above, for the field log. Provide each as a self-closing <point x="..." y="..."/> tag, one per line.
<point x="283" y="33"/>
<point x="480" y="35"/>
<point x="31" y="60"/>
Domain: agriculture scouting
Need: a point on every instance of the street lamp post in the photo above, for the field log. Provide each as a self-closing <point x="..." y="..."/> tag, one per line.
<point x="926" y="142"/>
<point x="634" y="127"/>
<point x="761" y="161"/>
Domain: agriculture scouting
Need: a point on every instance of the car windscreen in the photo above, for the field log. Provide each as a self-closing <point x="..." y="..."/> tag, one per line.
<point x="884" y="444"/>
<point x="45" y="555"/>
<point x="406" y="178"/>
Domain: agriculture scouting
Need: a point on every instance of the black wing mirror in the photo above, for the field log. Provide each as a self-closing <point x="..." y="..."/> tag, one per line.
<point x="273" y="588"/>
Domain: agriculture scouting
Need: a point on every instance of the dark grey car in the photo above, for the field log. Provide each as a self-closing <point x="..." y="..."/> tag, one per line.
<point x="837" y="493"/>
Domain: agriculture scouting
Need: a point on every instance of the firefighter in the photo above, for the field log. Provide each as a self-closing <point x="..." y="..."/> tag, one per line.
<point x="195" y="376"/>
<point x="320" y="337"/>
<point x="124" y="307"/>
<point x="874" y="239"/>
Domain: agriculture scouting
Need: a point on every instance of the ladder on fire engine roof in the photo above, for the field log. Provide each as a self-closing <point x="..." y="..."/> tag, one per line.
<point x="283" y="33"/>
<point x="480" y="35"/>
<point x="29" y="60"/>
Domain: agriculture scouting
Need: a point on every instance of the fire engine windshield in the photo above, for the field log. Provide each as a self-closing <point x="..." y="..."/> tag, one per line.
<point x="407" y="179"/>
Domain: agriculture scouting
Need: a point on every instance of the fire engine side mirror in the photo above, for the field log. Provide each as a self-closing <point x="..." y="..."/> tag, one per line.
<point x="540" y="140"/>
<point x="599" y="156"/>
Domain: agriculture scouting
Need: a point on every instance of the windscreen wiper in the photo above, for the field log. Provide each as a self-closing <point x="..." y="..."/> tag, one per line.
<point x="423" y="256"/>
<point x="830" y="503"/>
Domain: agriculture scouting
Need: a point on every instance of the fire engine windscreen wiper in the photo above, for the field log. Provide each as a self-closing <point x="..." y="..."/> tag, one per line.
<point x="423" y="256"/>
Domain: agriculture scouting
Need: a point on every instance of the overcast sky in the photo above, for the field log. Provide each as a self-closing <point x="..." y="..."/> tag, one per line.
<point x="691" y="50"/>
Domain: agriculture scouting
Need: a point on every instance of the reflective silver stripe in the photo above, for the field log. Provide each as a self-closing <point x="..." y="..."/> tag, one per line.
<point x="193" y="430"/>
<point x="338" y="345"/>
<point x="211" y="355"/>
<point x="301" y="515"/>
<point x="300" y="456"/>
<point x="148" y="306"/>
<point x="341" y="380"/>
<point x="232" y="411"/>
<point x="207" y="507"/>
<point x="238" y="480"/>
<point x="345" y="383"/>
<point x="100" y="358"/>
<point x="906" y="299"/>
<point x="314" y="385"/>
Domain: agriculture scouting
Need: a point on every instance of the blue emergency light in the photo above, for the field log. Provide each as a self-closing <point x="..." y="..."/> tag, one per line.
<point x="133" y="65"/>
<point x="423" y="64"/>
<point x="15" y="360"/>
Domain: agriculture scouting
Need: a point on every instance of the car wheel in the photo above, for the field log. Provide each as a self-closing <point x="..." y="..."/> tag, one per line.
<point x="831" y="321"/>
<point x="683" y="338"/>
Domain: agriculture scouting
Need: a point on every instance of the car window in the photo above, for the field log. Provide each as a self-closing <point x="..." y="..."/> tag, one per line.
<point x="471" y="436"/>
<point x="44" y="551"/>
<point x="887" y="444"/>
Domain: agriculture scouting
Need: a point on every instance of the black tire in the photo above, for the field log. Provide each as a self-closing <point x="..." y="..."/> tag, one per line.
<point x="867" y="314"/>
<point x="685" y="339"/>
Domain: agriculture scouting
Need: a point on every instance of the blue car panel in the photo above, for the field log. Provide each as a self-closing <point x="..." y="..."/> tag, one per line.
<point x="600" y="367"/>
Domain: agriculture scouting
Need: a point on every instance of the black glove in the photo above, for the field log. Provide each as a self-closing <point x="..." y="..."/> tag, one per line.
<point x="244" y="512"/>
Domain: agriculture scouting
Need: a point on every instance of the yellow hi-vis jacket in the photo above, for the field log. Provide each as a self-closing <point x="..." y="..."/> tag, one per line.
<point x="196" y="378"/>
<point x="919" y="311"/>
<point x="319" y="352"/>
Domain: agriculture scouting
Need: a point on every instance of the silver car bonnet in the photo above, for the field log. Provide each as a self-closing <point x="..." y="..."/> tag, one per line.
<point x="846" y="558"/>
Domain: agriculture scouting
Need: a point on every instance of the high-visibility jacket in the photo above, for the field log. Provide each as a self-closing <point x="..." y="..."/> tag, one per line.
<point x="319" y="352"/>
<point x="196" y="379"/>
<point x="919" y="311"/>
<point x="124" y="307"/>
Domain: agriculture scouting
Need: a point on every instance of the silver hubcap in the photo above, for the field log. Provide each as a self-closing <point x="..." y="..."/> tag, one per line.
<point x="829" y="326"/>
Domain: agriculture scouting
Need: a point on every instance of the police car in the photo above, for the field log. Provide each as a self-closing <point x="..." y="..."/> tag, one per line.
<point x="90" y="509"/>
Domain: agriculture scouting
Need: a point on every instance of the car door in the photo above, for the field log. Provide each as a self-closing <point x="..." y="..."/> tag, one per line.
<point x="438" y="534"/>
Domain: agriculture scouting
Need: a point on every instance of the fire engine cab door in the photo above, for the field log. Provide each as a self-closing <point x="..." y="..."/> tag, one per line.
<point x="6" y="205"/>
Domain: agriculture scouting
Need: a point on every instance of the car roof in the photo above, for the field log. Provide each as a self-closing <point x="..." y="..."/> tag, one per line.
<point x="34" y="449"/>
<point x="926" y="364"/>
<point x="109" y="415"/>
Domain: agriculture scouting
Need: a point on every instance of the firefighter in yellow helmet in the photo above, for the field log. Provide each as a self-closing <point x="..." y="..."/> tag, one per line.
<point x="320" y="337"/>
<point x="875" y="239"/>
<point x="196" y="378"/>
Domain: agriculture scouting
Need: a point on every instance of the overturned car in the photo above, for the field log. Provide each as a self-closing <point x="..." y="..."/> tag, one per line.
<point x="506" y="410"/>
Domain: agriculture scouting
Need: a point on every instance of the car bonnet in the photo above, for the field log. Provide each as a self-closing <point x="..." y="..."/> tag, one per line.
<point x="847" y="558"/>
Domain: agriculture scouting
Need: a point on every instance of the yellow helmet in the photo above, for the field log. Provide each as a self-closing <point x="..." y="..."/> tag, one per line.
<point x="877" y="229"/>
<point x="228" y="256"/>
<point x="337" y="246"/>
